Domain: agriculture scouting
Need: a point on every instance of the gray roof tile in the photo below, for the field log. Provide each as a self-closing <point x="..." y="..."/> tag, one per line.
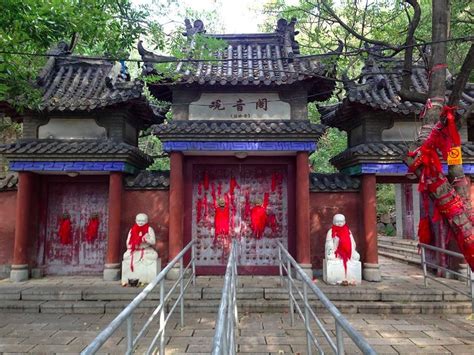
<point x="76" y="149"/>
<point x="378" y="88"/>
<point x="337" y="182"/>
<point x="9" y="181"/>
<point x="148" y="180"/>
<point x="242" y="130"/>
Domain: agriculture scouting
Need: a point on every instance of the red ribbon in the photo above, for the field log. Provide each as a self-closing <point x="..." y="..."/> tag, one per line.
<point x="344" y="248"/>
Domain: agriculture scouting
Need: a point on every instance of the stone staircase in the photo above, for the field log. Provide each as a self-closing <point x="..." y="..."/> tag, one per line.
<point x="255" y="294"/>
<point x="399" y="249"/>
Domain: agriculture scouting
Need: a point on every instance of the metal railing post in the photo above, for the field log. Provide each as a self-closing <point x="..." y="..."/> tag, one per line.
<point x="130" y="334"/>
<point x="236" y="312"/>
<point x="306" y="319"/>
<point x="181" y="292"/>
<point x="471" y="277"/>
<point x="162" y="317"/>
<point x="193" y="263"/>
<point x="423" y="263"/>
<point x="290" y="291"/>
<point x="339" y="339"/>
<point x="280" y="266"/>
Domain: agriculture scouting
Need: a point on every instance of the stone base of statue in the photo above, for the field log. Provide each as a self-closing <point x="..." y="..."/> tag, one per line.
<point x="334" y="273"/>
<point x="144" y="269"/>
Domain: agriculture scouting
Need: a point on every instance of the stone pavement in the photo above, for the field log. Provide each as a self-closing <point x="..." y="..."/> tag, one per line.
<point x="259" y="333"/>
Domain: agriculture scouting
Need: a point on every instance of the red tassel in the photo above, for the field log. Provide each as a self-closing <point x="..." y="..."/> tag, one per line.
<point x="92" y="229"/>
<point x="258" y="218"/>
<point x="424" y="231"/>
<point x="233" y="185"/>
<point x="65" y="230"/>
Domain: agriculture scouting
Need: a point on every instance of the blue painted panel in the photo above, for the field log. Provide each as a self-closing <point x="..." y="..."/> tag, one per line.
<point x="238" y="146"/>
<point x="70" y="166"/>
<point x="393" y="169"/>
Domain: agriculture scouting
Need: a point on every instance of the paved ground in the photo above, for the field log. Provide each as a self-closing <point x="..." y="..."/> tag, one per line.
<point x="259" y="334"/>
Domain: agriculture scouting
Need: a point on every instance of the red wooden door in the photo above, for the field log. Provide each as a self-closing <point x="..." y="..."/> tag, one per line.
<point x="242" y="189"/>
<point x="81" y="200"/>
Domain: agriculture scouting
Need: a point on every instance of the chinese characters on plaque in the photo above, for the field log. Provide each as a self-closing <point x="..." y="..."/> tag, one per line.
<point x="239" y="106"/>
<point x="215" y="106"/>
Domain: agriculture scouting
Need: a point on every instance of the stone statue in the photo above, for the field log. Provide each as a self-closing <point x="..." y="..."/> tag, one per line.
<point x="140" y="261"/>
<point x="341" y="264"/>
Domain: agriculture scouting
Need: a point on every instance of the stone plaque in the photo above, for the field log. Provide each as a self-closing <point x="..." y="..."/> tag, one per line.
<point x="72" y="128"/>
<point x="245" y="106"/>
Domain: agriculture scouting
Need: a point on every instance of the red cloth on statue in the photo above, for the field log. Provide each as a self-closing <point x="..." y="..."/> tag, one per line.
<point x="344" y="248"/>
<point x="137" y="235"/>
<point x="221" y="220"/>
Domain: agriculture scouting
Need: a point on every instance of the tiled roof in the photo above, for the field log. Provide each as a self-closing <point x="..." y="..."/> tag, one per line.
<point x="9" y="182"/>
<point x="378" y="89"/>
<point x="337" y="182"/>
<point x="78" y="83"/>
<point x="157" y="180"/>
<point x="261" y="59"/>
<point x="386" y="152"/>
<point x="239" y="130"/>
<point x="44" y="149"/>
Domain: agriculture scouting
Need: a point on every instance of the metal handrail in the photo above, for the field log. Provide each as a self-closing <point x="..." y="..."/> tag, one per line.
<point x="127" y="313"/>
<point x="469" y="277"/>
<point x="286" y="265"/>
<point x="227" y="318"/>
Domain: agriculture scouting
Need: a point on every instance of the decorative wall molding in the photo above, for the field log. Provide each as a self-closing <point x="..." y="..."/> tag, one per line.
<point x="183" y="146"/>
<point x="72" y="166"/>
<point x="393" y="169"/>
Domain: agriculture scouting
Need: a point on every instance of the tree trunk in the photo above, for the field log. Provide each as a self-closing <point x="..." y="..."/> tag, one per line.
<point x="448" y="200"/>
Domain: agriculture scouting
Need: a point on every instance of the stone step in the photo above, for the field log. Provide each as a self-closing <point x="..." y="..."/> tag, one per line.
<point x="404" y="258"/>
<point x="193" y="306"/>
<point x="406" y="243"/>
<point x="399" y="250"/>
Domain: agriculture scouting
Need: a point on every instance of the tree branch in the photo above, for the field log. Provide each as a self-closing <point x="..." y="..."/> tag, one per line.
<point x="405" y="92"/>
<point x="462" y="78"/>
<point x="330" y="11"/>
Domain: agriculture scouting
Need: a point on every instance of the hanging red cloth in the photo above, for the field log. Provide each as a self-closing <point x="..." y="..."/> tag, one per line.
<point x="344" y="248"/>
<point x="424" y="231"/>
<point x="206" y="181"/>
<point x="258" y="217"/>
<point x="221" y="219"/>
<point x="65" y="230"/>
<point x="92" y="229"/>
<point x="233" y="185"/>
<point x="137" y="235"/>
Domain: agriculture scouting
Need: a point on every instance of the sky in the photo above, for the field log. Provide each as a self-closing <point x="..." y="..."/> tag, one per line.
<point x="238" y="16"/>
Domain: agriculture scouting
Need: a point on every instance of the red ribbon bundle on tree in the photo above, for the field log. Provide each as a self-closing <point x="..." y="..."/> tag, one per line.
<point x="92" y="229"/>
<point x="65" y="229"/>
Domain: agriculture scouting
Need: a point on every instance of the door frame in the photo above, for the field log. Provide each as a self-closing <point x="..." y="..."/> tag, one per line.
<point x="190" y="161"/>
<point x="44" y="204"/>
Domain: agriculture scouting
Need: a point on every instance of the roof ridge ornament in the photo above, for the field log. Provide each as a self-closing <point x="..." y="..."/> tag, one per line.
<point x="287" y="32"/>
<point x="197" y="27"/>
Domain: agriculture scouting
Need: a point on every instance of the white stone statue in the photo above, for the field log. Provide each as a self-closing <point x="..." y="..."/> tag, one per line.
<point x="140" y="261"/>
<point x="341" y="264"/>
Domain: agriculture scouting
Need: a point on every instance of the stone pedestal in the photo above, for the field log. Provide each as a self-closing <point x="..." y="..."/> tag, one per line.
<point x="334" y="272"/>
<point x="307" y="269"/>
<point x="145" y="270"/>
<point x="112" y="272"/>
<point x="371" y="272"/>
<point x="19" y="273"/>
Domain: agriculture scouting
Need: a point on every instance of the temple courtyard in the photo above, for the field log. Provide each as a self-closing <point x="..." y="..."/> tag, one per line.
<point x="397" y="315"/>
